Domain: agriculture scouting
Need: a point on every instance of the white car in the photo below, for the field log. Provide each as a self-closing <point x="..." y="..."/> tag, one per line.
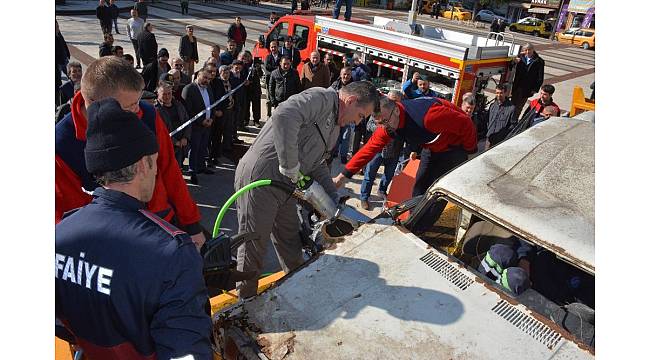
<point x="488" y="16"/>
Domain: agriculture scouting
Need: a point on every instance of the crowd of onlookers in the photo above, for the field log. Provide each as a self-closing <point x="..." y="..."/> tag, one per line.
<point x="180" y="92"/>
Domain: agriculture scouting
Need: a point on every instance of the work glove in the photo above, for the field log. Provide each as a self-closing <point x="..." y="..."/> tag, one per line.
<point x="303" y="181"/>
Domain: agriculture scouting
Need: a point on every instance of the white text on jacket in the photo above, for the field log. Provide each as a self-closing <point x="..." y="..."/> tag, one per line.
<point x="83" y="273"/>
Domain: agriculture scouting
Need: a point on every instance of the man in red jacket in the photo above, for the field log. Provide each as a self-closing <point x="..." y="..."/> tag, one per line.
<point x="114" y="77"/>
<point x="444" y="131"/>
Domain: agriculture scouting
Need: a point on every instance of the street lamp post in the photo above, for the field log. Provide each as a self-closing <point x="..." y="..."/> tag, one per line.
<point x="413" y="14"/>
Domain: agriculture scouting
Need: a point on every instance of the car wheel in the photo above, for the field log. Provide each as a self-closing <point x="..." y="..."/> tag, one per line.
<point x="513" y="28"/>
<point x="585" y="46"/>
<point x="535" y="33"/>
<point x="455" y="17"/>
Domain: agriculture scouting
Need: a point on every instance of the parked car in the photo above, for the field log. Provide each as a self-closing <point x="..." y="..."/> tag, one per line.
<point x="456" y="13"/>
<point x="488" y="16"/>
<point x="585" y="38"/>
<point x="533" y="26"/>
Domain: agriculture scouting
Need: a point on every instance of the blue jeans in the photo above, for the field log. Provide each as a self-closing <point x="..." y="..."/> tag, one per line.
<point x="348" y="9"/>
<point x="344" y="140"/>
<point x="370" y="174"/>
<point x="199" y="147"/>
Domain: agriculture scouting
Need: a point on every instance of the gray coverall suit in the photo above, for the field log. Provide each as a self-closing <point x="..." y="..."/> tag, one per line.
<point x="290" y="140"/>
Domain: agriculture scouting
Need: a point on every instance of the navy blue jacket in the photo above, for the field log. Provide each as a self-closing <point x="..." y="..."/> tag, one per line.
<point x="128" y="284"/>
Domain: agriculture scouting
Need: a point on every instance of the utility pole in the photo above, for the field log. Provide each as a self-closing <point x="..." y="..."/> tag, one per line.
<point x="557" y="18"/>
<point x="413" y="14"/>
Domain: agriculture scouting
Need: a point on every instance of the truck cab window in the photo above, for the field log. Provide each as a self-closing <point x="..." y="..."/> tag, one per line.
<point x="301" y="36"/>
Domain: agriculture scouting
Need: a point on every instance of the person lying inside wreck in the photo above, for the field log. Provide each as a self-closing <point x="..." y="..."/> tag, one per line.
<point x="533" y="275"/>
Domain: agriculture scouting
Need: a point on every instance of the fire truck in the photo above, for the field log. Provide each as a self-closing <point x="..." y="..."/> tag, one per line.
<point x="453" y="61"/>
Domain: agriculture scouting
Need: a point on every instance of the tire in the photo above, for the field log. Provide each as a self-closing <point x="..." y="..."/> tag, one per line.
<point x="513" y="28"/>
<point x="585" y="46"/>
<point x="455" y="17"/>
<point x="535" y="33"/>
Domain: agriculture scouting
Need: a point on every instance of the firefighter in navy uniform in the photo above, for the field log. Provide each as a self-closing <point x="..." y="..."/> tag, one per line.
<point x="128" y="284"/>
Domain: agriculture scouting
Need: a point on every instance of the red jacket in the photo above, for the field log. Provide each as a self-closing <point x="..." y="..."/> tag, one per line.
<point x="453" y="126"/>
<point x="537" y="106"/>
<point x="170" y="197"/>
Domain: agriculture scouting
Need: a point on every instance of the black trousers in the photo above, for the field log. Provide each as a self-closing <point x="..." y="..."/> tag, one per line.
<point x="217" y="135"/>
<point x="434" y="165"/>
<point x="360" y="132"/>
<point x="184" y="8"/>
<point x="107" y="27"/>
<point x="137" y="53"/>
<point x="254" y="101"/>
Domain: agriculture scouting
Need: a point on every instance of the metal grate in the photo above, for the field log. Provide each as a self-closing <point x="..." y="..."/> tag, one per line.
<point x="526" y="323"/>
<point x="447" y="270"/>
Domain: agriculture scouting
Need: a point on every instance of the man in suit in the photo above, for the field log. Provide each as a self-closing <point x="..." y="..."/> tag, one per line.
<point x="198" y="97"/>
<point x="223" y="134"/>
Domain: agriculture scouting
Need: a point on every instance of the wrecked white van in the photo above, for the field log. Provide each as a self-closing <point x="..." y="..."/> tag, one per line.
<point x="413" y="289"/>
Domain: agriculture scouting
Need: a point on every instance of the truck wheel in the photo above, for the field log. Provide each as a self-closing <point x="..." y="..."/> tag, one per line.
<point x="535" y="33"/>
<point x="585" y="46"/>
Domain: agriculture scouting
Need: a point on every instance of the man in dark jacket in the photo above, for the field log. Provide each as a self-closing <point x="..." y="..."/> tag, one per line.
<point x="106" y="48"/>
<point x="174" y="115"/>
<point x="188" y="50"/>
<point x="147" y="45"/>
<point x="253" y="89"/>
<point x="284" y="82"/>
<point x="237" y="32"/>
<point x="222" y="135"/>
<point x="360" y="71"/>
<point x="529" y="76"/>
<point x="271" y="63"/>
<point x="501" y="117"/>
<point x="230" y="55"/>
<point x="290" y="51"/>
<point x="141" y="6"/>
<point x="328" y="60"/>
<point x="103" y="13"/>
<point x="152" y="71"/>
<point x="115" y="13"/>
<point x="198" y="97"/>
<point x="74" y="75"/>
<point x="142" y="293"/>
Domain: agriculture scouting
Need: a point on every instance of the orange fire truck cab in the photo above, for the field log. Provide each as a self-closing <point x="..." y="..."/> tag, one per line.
<point x="454" y="62"/>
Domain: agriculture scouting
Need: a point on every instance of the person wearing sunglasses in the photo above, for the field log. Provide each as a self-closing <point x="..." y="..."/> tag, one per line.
<point x="446" y="134"/>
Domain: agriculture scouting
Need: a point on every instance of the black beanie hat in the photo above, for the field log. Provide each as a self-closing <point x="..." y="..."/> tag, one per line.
<point x="115" y="138"/>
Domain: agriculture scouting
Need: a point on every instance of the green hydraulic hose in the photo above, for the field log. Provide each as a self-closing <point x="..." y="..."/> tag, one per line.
<point x="224" y="208"/>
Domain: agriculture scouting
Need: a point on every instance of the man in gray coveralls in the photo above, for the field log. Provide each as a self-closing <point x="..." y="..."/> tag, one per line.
<point x="294" y="142"/>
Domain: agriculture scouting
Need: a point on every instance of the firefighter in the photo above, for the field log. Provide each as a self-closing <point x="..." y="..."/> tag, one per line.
<point x="128" y="284"/>
<point x="446" y="134"/>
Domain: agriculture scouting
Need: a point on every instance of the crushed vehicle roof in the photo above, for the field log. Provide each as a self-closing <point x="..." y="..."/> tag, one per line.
<point x="538" y="184"/>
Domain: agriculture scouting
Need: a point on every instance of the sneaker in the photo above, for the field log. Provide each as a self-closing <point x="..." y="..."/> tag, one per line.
<point x="258" y="124"/>
<point x="365" y="205"/>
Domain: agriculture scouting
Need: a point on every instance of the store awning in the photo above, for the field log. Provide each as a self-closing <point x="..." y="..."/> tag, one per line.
<point x="538" y="10"/>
